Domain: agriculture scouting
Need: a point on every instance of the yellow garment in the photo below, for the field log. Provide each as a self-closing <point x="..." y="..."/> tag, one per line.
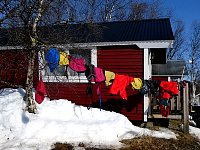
<point x="136" y="84"/>
<point x="109" y="76"/>
<point x="63" y="59"/>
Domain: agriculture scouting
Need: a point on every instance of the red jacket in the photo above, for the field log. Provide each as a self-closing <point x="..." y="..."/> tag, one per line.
<point x="168" y="89"/>
<point x="119" y="85"/>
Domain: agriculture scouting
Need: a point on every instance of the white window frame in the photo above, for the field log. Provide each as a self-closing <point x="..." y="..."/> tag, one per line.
<point x="63" y="79"/>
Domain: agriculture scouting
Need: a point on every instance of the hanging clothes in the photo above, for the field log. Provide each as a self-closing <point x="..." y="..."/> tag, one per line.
<point x="164" y="102"/>
<point x="99" y="78"/>
<point x="52" y="57"/>
<point x="40" y="91"/>
<point x="145" y="87"/>
<point x="136" y="84"/>
<point x="63" y="59"/>
<point x="89" y="72"/>
<point x="99" y="75"/>
<point x="109" y="77"/>
<point x="89" y="91"/>
<point x="150" y="86"/>
<point x="167" y="89"/>
<point x="119" y="85"/>
<point x="165" y="110"/>
<point x="77" y="64"/>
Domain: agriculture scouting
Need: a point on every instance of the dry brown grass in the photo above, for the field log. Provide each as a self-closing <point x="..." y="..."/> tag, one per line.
<point x="183" y="142"/>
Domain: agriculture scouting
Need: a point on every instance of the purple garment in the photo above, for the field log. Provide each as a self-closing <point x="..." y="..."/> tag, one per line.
<point x="77" y="64"/>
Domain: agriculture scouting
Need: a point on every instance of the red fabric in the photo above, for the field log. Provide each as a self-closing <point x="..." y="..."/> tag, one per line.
<point x="168" y="89"/>
<point x="99" y="75"/>
<point x="40" y="92"/>
<point x="165" y="110"/>
<point x="77" y="64"/>
<point x="119" y="85"/>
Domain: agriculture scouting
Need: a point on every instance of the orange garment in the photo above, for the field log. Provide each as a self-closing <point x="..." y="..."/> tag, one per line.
<point x="119" y="85"/>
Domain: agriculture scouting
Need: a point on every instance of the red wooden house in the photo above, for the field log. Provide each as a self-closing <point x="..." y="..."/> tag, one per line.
<point x="124" y="47"/>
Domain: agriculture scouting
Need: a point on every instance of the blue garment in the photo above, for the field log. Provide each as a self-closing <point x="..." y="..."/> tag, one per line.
<point x="164" y="102"/>
<point x="52" y="57"/>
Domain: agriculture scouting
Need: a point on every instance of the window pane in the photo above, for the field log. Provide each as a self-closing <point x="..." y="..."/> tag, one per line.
<point x="59" y="71"/>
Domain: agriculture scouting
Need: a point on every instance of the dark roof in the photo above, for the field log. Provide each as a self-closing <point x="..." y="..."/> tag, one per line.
<point x="119" y="31"/>
<point x="141" y="30"/>
<point x="171" y="68"/>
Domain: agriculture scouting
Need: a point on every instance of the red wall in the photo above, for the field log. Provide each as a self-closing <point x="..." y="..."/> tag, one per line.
<point x="122" y="60"/>
<point x="127" y="61"/>
<point x="13" y="67"/>
<point x="160" y="78"/>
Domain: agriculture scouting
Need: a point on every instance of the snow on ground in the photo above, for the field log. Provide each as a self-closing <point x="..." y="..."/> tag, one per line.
<point x="63" y="121"/>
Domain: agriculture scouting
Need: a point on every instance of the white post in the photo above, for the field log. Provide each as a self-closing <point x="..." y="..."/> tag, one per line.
<point x="185" y="110"/>
<point x="146" y="77"/>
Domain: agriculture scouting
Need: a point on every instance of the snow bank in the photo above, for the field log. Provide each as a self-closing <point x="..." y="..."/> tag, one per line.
<point x="62" y="121"/>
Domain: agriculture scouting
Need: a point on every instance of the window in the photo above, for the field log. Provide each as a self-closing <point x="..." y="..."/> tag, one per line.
<point x="65" y="73"/>
<point x="158" y="56"/>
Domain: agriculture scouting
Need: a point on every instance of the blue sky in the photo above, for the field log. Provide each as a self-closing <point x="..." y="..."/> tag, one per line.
<point x="186" y="10"/>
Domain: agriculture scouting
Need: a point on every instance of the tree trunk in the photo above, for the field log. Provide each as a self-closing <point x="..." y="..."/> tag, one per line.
<point x="31" y="107"/>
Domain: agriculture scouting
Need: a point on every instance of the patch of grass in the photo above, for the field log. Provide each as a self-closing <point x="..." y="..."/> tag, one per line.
<point x="66" y="146"/>
<point x="183" y="142"/>
<point x="62" y="146"/>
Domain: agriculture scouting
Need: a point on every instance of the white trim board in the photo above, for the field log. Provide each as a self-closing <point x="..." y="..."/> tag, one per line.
<point x="147" y="75"/>
<point x="140" y="44"/>
<point x="166" y="75"/>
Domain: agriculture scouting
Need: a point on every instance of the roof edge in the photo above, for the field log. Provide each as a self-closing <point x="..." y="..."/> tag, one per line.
<point x="140" y="44"/>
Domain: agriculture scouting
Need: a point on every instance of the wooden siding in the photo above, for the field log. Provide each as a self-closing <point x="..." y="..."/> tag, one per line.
<point x="127" y="61"/>
<point x="160" y="78"/>
<point x="13" y="67"/>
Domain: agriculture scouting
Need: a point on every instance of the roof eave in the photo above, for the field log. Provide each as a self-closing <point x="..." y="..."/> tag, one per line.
<point x="168" y="75"/>
<point x="140" y="44"/>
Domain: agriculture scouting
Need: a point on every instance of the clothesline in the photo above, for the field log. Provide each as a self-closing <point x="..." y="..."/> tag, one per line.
<point x="55" y="58"/>
<point x="163" y="90"/>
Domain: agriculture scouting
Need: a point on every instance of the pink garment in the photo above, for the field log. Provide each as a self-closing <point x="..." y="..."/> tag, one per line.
<point x="99" y="75"/>
<point x="77" y="64"/>
<point x="119" y="85"/>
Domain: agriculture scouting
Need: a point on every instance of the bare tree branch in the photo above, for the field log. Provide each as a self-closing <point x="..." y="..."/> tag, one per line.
<point x="177" y="51"/>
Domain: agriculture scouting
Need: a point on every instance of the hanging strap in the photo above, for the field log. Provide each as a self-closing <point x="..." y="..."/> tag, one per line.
<point x="100" y="102"/>
<point x="40" y="75"/>
<point x="89" y="91"/>
<point x="99" y="94"/>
